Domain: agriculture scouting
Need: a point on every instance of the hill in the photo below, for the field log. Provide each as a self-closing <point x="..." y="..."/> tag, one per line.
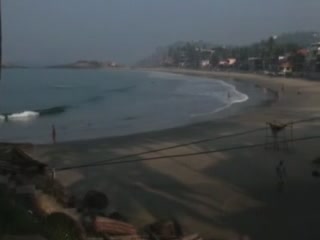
<point x="280" y="43"/>
<point x="84" y="64"/>
<point x="303" y="39"/>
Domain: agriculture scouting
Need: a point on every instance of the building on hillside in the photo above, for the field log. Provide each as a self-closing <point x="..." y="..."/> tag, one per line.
<point x="228" y="63"/>
<point x="183" y="60"/>
<point x="303" y="52"/>
<point x="232" y="62"/>
<point x="205" y="63"/>
<point x="205" y="55"/>
<point x="313" y="58"/>
<point x="286" y="69"/>
<point x="315" y="48"/>
<point x="168" y="61"/>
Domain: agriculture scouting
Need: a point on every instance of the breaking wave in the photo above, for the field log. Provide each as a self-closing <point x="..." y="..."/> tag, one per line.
<point x="22" y="116"/>
<point x="52" y="110"/>
<point x="32" y="114"/>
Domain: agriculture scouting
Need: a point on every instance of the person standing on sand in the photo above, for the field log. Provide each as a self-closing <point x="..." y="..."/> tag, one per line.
<point x="281" y="174"/>
<point x="53" y="133"/>
<point x="228" y="95"/>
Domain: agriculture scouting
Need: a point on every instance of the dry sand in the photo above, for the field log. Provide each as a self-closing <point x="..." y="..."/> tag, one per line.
<point x="224" y="195"/>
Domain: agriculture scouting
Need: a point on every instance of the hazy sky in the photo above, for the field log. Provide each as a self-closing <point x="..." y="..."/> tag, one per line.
<point x="58" y="31"/>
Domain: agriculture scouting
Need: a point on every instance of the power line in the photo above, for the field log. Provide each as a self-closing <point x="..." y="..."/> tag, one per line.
<point x="178" y="146"/>
<point x="187" y="154"/>
<point x="185" y="144"/>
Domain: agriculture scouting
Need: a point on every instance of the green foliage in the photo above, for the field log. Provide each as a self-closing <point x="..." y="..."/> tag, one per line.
<point x="14" y="219"/>
<point x="303" y="39"/>
<point x="59" y="226"/>
<point x="189" y="54"/>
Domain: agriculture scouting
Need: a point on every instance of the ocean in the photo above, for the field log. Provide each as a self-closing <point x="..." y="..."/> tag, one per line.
<point x="87" y="104"/>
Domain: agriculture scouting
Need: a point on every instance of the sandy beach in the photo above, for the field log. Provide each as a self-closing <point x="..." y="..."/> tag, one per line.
<point x="224" y="195"/>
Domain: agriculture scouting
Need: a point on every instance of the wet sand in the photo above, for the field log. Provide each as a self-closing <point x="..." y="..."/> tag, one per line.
<point x="223" y="195"/>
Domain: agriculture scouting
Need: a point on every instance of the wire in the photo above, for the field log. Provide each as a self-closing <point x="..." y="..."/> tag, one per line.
<point x="187" y="154"/>
<point x="305" y="120"/>
<point x="179" y="145"/>
<point x="187" y="144"/>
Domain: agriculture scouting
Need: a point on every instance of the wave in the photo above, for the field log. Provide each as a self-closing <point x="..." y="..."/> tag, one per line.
<point x="22" y="116"/>
<point x="224" y="92"/>
<point x="52" y="110"/>
<point x="235" y="95"/>
<point x="32" y="114"/>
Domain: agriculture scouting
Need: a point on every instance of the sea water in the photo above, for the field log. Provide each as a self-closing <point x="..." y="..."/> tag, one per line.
<point x="85" y="104"/>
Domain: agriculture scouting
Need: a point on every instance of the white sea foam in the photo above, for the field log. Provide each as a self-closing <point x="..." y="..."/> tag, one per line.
<point x="224" y="92"/>
<point x="235" y="95"/>
<point x="23" y="116"/>
<point x="197" y="86"/>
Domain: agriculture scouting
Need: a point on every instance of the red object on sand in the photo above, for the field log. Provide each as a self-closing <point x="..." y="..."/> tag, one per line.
<point x="113" y="227"/>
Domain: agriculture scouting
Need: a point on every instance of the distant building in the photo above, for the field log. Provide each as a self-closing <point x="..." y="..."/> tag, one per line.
<point x="315" y="48"/>
<point x="168" y="61"/>
<point x="223" y="63"/>
<point x="313" y="58"/>
<point x="205" y="63"/>
<point x="232" y="62"/>
<point x="228" y="63"/>
<point x="114" y="64"/>
<point x="303" y="51"/>
<point x="286" y="69"/>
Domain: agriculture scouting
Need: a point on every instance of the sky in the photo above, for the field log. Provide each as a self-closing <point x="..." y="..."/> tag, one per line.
<point x="59" y="31"/>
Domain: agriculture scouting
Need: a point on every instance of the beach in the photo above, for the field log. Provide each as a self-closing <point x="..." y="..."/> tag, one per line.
<point x="221" y="195"/>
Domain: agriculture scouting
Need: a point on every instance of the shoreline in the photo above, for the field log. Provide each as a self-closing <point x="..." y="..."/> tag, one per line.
<point x="243" y="95"/>
<point x="222" y="195"/>
<point x="226" y="111"/>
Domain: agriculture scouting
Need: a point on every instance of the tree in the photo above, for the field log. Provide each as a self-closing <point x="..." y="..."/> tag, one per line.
<point x="297" y="61"/>
<point x="214" y="60"/>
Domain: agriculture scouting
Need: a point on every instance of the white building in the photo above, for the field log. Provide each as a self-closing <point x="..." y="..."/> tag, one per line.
<point x="205" y="63"/>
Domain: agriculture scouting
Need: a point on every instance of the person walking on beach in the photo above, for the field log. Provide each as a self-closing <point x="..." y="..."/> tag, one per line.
<point x="281" y="174"/>
<point x="53" y="133"/>
<point x="228" y="95"/>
